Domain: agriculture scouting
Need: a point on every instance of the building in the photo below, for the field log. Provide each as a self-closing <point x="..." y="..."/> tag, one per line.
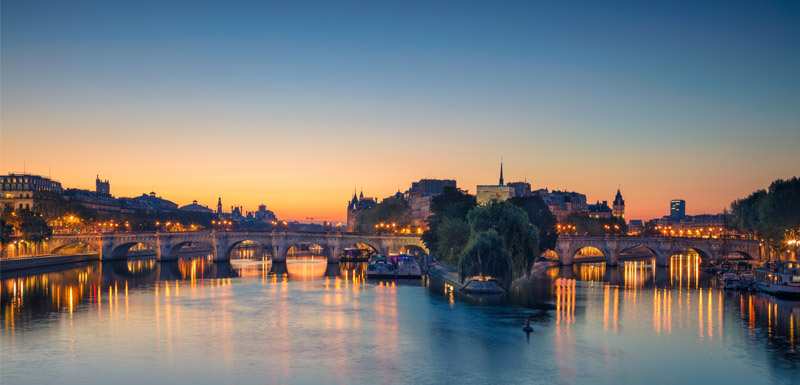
<point x="95" y="201"/>
<point x="17" y="190"/>
<point x="420" y="196"/>
<point x="102" y="187"/>
<point x="677" y="208"/>
<point x="264" y="215"/>
<point x="635" y="226"/>
<point x="194" y="207"/>
<point x="521" y="189"/>
<point x="501" y="192"/>
<point x="619" y="206"/>
<point x="356" y="205"/>
<point x="154" y="203"/>
<point x="599" y="210"/>
<point x="563" y="203"/>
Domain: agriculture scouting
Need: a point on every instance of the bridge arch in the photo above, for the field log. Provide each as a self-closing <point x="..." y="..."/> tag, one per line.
<point x="174" y="250"/>
<point x="306" y="247"/>
<point x="744" y="254"/>
<point x="77" y="247"/>
<point x="264" y="246"/>
<point x="412" y="250"/>
<point x="120" y="250"/>
<point x="704" y="254"/>
<point x="589" y="248"/>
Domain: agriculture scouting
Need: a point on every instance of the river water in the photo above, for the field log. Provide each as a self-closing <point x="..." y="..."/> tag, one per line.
<point x="252" y="322"/>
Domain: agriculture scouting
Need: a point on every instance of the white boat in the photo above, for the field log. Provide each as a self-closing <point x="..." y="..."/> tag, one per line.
<point x="379" y="267"/>
<point x="731" y="281"/>
<point x="407" y="267"/>
<point x="781" y="278"/>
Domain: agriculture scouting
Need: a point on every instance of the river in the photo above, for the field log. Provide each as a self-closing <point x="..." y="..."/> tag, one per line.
<point x="251" y="322"/>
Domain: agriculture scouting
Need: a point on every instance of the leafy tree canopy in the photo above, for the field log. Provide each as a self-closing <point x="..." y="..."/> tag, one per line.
<point x="772" y="215"/>
<point x="453" y="203"/>
<point x="511" y="223"/>
<point x="453" y="234"/>
<point x="540" y="216"/>
<point x="584" y="225"/>
<point x="486" y="255"/>
<point x="391" y="210"/>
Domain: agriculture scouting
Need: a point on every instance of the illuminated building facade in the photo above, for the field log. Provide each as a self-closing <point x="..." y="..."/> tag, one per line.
<point x="17" y="190"/>
<point x="600" y="210"/>
<point x="619" y="206"/>
<point x="677" y="208"/>
<point x="501" y="192"/>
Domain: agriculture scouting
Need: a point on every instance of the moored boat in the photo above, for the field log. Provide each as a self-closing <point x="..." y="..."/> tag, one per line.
<point x="407" y="267"/>
<point x="380" y="267"/>
<point x="781" y="278"/>
<point x="731" y="281"/>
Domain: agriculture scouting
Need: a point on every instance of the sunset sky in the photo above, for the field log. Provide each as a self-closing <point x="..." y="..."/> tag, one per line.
<point x="295" y="104"/>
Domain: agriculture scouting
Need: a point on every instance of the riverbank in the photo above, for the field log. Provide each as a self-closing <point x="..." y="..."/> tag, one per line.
<point x="449" y="275"/>
<point x="38" y="261"/>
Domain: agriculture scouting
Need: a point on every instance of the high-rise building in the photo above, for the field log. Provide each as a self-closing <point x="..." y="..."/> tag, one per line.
<point x="677" y="208"/>
<point x="619" y="206"/>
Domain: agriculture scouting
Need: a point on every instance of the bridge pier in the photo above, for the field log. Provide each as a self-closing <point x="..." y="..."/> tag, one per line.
<point x="612" y="257"/>
<point x="106" y="249"/>
<point x="279" y="253"/>
<point x="164" y="252"/>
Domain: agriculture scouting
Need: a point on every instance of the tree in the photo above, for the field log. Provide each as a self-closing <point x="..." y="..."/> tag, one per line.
<point x="452" y="203"/>
<point x="540" y="216"/>
<point x="34" y="228"/>
<point x="511" y="222"/>
<point x="585" y="225"/>
<point x="6" y="232"/>
<point x="487" y="255"/>
<point x="453" y="234"/>
<point x="394" y="210"/>
<point x="772" y="215"/>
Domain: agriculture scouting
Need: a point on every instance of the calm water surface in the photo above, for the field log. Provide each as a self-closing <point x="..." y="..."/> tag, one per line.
<point x="193" y="321"/>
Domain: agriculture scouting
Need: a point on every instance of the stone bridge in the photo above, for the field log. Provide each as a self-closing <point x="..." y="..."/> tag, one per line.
<point x="661" y="247"/>
<point x="167" y="245"/>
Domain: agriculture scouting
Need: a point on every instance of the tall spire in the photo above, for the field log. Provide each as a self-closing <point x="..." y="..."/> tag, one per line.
<point x="501" y="172"/>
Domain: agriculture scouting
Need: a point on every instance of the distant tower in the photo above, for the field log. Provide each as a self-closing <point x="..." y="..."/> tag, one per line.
<point x="619" y="206"/>
<point x="501" y="173"/>
<point x="102" y="187"/>
<point x="219" y="206"/>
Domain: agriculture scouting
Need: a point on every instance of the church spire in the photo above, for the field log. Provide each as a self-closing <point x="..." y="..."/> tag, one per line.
<point x="501" y="172"/>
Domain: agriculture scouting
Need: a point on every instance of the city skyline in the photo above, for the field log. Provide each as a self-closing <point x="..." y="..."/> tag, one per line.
<point x="293" y="106"/>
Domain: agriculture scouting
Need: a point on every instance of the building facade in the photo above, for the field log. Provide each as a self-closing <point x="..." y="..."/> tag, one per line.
<point x="619" y="206"/>
<point x="420" y="196"/>
<point x="356" y="205"/>
<point x="195" y="207"/>
<point x="17" y="190"/>
<point x="677" y="208"/>
<point x="599" y="210"/>
<point x="521" y="189"/>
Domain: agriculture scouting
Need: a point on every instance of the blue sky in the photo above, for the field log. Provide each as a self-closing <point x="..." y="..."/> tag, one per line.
<point x="668" y="99"/>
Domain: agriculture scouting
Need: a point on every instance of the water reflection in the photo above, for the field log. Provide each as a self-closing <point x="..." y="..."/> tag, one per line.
<point x="584" y="312"/>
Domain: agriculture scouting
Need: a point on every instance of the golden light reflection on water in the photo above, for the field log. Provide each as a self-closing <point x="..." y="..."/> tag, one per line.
<point x="681" y="297"/>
